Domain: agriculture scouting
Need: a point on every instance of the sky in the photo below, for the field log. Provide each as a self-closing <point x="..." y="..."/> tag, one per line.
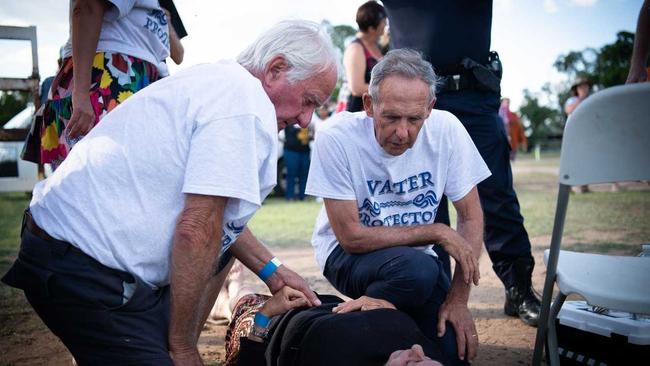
<point x="528" y="34"/>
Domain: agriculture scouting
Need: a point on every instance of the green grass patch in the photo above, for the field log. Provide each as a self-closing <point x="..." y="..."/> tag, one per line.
<point x="280" y="223"/>
<point x="12" y="206"/>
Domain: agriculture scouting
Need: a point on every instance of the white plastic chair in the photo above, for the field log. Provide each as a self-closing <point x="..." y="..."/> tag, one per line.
<point x="606" y="140"/>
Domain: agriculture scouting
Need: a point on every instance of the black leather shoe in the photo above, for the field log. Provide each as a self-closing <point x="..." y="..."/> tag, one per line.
<point x="524" y="304"/>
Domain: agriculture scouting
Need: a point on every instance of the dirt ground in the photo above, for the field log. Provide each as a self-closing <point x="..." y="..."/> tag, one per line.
<point x="503" y="340"/>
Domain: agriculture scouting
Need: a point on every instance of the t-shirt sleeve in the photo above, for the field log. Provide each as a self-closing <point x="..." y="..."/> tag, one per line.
<point x="119" y="9"/>
<point x="329" y="171"/>
<point x="466" y="167"/>
<point x="225" y="158"/>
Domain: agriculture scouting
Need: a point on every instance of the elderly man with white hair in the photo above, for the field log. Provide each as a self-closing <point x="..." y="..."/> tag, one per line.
<point x="381" y="174"/>
<point x="123" y="247"/>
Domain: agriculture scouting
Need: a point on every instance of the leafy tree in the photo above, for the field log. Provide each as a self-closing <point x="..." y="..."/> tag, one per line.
<point x="605" y="67"/>
<point x="10" y="104"/>
<point x="540" y="121"/>
<point x="341" y="33"/>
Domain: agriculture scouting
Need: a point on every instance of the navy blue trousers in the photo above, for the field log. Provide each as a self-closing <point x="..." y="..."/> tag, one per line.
<point x="506" y="238"/>
<point x="297" y="164"/>
<point x="410" y="279"/>
<point x="102" y="315"/>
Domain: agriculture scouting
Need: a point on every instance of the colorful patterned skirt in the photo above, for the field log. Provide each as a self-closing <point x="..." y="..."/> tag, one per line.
<point x="241" y="324"/>
<point x="114" y="78"/>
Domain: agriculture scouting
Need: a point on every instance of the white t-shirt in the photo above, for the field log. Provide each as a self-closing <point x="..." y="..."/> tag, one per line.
<point x="210" y="129"/>
<point x="348" y="164"/>
<point x="136" y="28"/>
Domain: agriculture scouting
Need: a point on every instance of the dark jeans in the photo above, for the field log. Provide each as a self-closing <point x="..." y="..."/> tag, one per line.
<point x="410" y="279"/>
<point x="297" y="164"/>
<point x="102" y="315"/>
<point x="506" y="238"/>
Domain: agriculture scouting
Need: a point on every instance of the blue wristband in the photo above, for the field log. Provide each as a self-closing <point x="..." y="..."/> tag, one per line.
<point x="269" y="268"/>
<point x="261" y="320"/>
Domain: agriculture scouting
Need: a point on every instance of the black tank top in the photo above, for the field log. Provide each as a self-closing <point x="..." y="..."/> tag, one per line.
<point x="355" y="104"/>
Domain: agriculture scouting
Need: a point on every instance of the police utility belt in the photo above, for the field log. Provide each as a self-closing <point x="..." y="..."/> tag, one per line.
<point x="474" y="76"/>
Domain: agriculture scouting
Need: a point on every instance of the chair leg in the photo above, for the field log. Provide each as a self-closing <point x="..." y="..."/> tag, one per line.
<point x="551" y="267"/>
<point x="553" y="351"/>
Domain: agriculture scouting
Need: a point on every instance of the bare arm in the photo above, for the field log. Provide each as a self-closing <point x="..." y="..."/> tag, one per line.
<point x="355" y="68"/>
<point x="638" y="71"/>
<point x="176" y="49"/>
<point x="254" y="255"/>
<point x="195" y="250"/>
<point x="356" y="238"/>
<point x="570" y="107"/>
<point x="454" y="309"/>
<point x="87" y="17"/>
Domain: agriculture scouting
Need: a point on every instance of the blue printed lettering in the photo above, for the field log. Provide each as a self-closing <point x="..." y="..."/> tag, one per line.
<point x="386" y="188"/>
<point x="413" y="183"/>
<point x="427" y="216"/>
<point x="372" y="187"/>
<point x="426" y="178"/>
<point x="401" y="186"/>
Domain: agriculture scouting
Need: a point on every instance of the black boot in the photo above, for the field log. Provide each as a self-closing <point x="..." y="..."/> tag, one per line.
<point x="521" y="299"/>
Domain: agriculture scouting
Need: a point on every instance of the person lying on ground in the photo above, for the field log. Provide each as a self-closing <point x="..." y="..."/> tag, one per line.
<point x="281" y="330"/>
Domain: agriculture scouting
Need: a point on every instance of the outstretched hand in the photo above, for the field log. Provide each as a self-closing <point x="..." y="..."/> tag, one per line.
<point x="363" y="303"/>
<point x="283" y="301"/>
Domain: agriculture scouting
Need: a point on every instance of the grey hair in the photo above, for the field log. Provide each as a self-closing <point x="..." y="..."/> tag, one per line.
<point x="305" y="45"/>
<point x="406" y="63"/>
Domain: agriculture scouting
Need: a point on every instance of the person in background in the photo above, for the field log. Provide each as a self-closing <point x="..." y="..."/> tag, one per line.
<point x="296" y="159"/>
<point x="116" y="48"/>
<point x="639" y="69"/>
<point x="580" y="90"/>
<point x="362" y="54"/>
<point x="516" y="134"/>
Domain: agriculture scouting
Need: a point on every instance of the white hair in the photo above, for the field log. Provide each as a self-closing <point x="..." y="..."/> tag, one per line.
<point x="305" y="45"/>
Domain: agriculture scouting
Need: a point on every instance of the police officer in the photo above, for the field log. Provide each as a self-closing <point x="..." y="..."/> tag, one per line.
<point x="454" y="35"/>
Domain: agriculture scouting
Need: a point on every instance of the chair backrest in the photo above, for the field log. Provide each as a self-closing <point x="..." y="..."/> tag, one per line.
<point x="607" y="138"/>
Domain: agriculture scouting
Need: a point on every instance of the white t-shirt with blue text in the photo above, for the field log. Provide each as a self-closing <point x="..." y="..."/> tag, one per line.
<point x="210" y="130"/>
<point x="349" y="164"/>
<point x="136" y="28"/>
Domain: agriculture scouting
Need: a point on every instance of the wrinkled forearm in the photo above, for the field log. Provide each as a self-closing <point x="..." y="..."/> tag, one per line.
<point x="471" y="229"/>
<point x="363" y="239"/>
<point x="195" y="250"/>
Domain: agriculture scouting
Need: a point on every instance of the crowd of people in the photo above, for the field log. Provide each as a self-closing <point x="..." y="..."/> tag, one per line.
<point x="125" y="247"/>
